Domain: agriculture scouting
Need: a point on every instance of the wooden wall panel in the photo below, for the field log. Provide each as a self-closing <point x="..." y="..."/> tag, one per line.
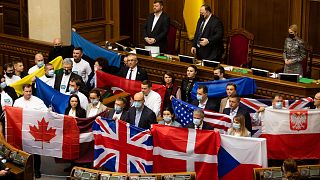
<point x="314" y="26"/>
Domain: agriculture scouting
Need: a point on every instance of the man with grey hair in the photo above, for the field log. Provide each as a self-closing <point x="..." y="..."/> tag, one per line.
<point x="197" y="122"/>
<point x="62" y="80"/>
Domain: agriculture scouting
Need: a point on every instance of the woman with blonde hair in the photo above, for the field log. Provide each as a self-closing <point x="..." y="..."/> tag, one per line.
<point x="238" y="127"/>
<point x="294" y="52"/>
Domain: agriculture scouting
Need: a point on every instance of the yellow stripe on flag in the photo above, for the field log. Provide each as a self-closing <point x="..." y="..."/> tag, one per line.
<point x="57" y="64"/>
<point x="191" y="14"/>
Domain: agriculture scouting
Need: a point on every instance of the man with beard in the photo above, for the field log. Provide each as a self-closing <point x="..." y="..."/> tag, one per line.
<point x="208" y="38"/>
<point x="80" y="66"/>
<point x="156" y="27"/>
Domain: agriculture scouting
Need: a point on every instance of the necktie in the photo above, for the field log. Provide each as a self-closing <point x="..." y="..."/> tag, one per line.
<point x="130" y="73"/>
<point x="199" y="33"/>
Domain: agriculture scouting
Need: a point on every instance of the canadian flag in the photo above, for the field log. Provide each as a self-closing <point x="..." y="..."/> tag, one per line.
<point x="43" y="133"/>
<point x="291" y="133"/>
<point x="185" y="150"/>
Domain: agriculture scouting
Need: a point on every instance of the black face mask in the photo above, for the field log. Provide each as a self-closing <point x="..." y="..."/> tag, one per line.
<point x="9" y="74"/>
<point x="67" y="72"/>
<point x="291" y="35"/>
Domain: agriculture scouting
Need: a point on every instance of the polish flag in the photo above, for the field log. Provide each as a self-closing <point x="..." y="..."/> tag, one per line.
<point x="291" y="133"/>
<point x="41" y="132"/>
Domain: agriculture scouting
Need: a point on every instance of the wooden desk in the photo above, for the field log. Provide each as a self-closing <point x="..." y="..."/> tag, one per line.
<point x="266" y="87"/>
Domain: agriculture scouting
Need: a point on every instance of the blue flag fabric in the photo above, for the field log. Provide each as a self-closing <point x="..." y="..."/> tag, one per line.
<point x="51" y="97"/>
<point x="183" y="111"/>
<point x="94" y="51"/>
<point x="217" y="89"/>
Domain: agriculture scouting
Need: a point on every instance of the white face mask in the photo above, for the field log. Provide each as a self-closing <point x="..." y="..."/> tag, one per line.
<point x="196" y="121"/>
<point x="278" y="105"/>
<point x="167" y="118"/>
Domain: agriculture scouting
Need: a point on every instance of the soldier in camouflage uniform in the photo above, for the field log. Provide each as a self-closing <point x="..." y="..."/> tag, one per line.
<point x="294" y="52"/>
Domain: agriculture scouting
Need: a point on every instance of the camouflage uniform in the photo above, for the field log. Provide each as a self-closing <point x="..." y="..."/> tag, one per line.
<point x="294" y="49"/>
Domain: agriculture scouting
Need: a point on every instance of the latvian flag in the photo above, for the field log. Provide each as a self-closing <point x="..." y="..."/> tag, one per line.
<point x="41" y="132"/>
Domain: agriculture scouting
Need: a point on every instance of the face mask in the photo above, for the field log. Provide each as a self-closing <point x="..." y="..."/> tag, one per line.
<point x="167" y="118"/>
<point x="137" y="104"/>
<point x="196" y="121"/>
<point x="40" y="64"/>
<point x="3" y="85"/>
<point x="9" y="74"/>
<point x="291" y="35"/>
<point x="51" y="73"/>
<point x="278" y="105"/>
<point x="117" y="108"/>
<point x="199" y="97"/>
<point x="236" y="126"/>
<point x="57" y="47"/>
<point x="67" y="72"/>
<point x="94" y="101"/>
<point x="72" y="90"/>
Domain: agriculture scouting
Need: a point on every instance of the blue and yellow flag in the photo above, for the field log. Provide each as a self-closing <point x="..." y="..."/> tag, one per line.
<point x="57" y="65"/>
<point x="191" y="14"/>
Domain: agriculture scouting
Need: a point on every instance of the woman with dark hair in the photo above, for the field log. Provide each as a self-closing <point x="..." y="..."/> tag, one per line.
<point x="290" y="170"/>
<point x="172" y="90"/>
<point x="101" y="64"/>
<point x="74" y="109"/>
<point x="187" y="83"/>
<point x="168" y="118"/>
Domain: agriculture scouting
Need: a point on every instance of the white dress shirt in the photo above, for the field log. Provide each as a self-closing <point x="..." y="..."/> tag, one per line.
<point x="33" y="69"/>
<point x="11" y="80"/>
<point x="134" y="73"/>
<point x="203" y="105"/>
<point x="33" y="103"/>
<point x="117" y="116"/>
<point x="155" y="20"/>
<point x="94" y="110"/>
<point x="64" y="83"/>
<point x="81" y="68"/>
<point x="233" y="113"/>
<point x="153" y="101"/>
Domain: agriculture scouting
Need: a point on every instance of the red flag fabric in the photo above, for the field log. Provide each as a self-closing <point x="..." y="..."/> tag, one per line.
<point x="41" y="132"/>
<point x="130" y="86"/>
<point x="185" y="150"/>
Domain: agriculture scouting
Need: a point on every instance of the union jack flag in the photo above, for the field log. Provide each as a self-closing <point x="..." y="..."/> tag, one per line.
<point x="184" y="114"/>
<point x="121" y="147"/>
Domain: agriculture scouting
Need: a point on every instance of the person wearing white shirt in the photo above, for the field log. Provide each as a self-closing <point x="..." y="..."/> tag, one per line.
<point x="28" y="101"/>
<point x="151" y="98"/>
<point x="80" y="66"/>
<point x="95" y="107"/>
<point x="74" y="86"/>
<point x="118" y="112"/>
<point x="9" y="74"/>
<point x="39" y="62"/>
<point x="219" y="72"/>
<point x="49" y="76"/>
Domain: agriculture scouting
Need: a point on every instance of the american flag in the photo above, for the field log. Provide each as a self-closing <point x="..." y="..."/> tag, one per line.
<point x="184" y="114"/>
<point x="121" y="147"/>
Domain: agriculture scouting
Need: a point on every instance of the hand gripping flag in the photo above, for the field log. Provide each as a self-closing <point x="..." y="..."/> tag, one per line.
<point x="43" y="133"/>
<point x="239" y="155"/>
<point x="185" y="150"/>
<point x="184" y="114"/>
<point x="291" y="133"/>
<point x="121" y="147"/>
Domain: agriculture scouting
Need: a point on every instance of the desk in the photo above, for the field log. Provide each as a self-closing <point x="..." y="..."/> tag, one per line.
<point x="266" y="87"/>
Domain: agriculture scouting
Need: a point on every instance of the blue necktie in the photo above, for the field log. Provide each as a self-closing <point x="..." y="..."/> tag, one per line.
<point x="200" y="33"/>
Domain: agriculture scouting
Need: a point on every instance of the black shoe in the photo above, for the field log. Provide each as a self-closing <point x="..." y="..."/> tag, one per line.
<point x="37" y="174"/>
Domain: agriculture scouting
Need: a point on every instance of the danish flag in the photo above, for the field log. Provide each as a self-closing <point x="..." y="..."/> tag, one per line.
<point x="185" y="150"/>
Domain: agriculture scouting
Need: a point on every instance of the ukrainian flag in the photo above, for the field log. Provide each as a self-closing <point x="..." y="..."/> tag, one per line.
<point x="191" y="14"/>
<point x="57" y="65"/>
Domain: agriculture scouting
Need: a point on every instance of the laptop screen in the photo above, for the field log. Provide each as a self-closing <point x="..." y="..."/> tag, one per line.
<point x="186" y="59"/>
<point x="143" y="52"/>
<point x="260" y="72"/>
<point x="209" y="63"/>
<point x="289" y="77"/>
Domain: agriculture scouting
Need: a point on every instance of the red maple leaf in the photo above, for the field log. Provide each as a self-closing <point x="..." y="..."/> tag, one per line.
<point x="42" y="133"/>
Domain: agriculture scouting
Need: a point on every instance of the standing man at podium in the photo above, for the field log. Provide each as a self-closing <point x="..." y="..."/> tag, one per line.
<point x="156" y="27"/>
<point x="208" y="38"/>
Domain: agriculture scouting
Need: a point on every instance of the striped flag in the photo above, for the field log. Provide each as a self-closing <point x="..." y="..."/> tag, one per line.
<point x="184" y="114"/>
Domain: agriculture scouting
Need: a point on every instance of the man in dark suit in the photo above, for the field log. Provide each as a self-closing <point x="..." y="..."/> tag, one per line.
<point x="208" y="38"/>
<point x="132" y="70"/>
<point x="156" y="27"/>
<point x="118" y="112"/>
<point x="140" y="115"/>
<point x="197" y="122"/>
<point x="204" y="102"/>
<point x="62" y="80"/>
<point x="59" y="50"/>
<point x="235" y="109"/>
